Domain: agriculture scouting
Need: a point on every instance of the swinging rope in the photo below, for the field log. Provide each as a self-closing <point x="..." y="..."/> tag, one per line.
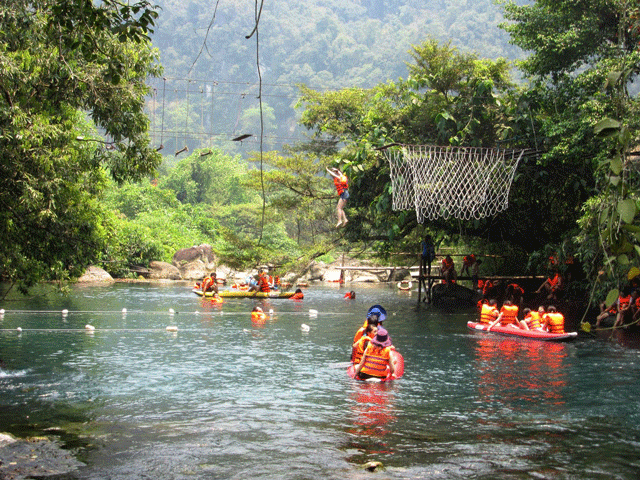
<point x="461" y="182"/>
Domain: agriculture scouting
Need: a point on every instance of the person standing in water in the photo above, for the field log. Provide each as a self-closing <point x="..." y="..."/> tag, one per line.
<point x="342" y="185"/>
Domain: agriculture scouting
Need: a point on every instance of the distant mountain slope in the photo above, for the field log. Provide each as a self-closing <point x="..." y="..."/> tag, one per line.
<point x="210" y="89"/>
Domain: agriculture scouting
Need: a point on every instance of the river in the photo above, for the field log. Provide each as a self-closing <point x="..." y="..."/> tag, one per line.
<point x="228" y="398"/>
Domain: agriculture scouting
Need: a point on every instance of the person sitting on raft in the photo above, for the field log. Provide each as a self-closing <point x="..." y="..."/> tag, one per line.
<point x="372" y="319"/>
<point x="358" y="348"/>
<point x="210" y="283"/>
<point x="553" y="321"/>
<point x="508" y="316"/>
<point x="533" y="319"/>
<point x="297" y="295"/>
<point x="377" y="361"/>
<point x="489" y="311"/>
<point x="262" y="284"/>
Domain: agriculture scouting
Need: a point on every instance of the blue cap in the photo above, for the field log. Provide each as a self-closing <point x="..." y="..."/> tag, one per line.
<point x="379" y="311"/>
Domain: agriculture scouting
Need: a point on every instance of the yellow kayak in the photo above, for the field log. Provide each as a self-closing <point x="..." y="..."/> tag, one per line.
<point x="245" y="293"/>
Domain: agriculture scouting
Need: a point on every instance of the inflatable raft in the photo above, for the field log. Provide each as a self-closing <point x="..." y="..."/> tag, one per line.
<point x="399" y="359"/>
<point x="244" y="293"/>
<point x="517" y="332"/>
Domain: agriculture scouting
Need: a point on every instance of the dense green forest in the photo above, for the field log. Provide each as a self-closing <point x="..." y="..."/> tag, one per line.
<point x="87" y="178"/>
<point x="208" y="92"/>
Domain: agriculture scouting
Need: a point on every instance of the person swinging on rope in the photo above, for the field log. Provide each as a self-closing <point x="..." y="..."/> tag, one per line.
<point x="342" y="185"/>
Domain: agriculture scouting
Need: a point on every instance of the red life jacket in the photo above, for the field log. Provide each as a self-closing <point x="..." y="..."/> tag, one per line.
<point x="341" y="183"/>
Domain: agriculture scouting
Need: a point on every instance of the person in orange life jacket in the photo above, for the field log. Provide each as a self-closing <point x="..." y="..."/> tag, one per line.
<point x="297" y="295"/>
<point x="376" y="314"/>
<point x="553" y="321"/>
<point x="377" y="357"/>
<point x="342" y="186"/>
<point x="372" y="319"/>
<point x="532" y="319"/>
<point x="210" y="283"/>
<point x="350" y="295"/>
<point x="258" y="314"/>
<point x="262" y="285"/>
<point x="489" y="290"/>
<point x="467" y="263"/>
<point x="626" y="299"/>
<point x="552" y="286"/>
<point x="508" y="315"/>
<point x="358" y="347"/>
<point x="489" y="312"/>
<point x="448" y="270"/>
<point x="216" y="298"/>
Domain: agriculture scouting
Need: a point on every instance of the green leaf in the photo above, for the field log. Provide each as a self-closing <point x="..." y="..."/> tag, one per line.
<point x="627" y="210"/>
<point x="623" y="259"/>
<point x="616" y="165"/>
<point x="612" y="296"/>
<point x="605" y="125"/>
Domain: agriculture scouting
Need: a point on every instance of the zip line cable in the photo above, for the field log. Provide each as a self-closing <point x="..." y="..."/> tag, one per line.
<point x="258" y="13"/>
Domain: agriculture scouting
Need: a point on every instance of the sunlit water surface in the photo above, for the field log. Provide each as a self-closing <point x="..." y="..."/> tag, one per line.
<point x="227" y="398"/>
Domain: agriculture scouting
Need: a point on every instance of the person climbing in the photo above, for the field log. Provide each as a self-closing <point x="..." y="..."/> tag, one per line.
<point x="342" y="186"/>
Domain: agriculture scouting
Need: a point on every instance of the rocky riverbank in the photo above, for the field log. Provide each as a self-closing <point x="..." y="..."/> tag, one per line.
<point x="194" y="263"/>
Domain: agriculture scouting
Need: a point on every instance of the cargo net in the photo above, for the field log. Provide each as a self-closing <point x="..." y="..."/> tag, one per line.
<point x="461" y="182"/>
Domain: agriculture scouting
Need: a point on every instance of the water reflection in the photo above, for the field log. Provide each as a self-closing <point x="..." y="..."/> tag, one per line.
<point x="516" y="373"/>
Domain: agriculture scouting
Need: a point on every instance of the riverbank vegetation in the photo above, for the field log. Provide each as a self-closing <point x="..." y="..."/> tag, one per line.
<point x="571" y="102"/>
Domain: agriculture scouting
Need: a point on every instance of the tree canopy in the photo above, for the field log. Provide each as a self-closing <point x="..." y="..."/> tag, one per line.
<point x="69" y="68"/>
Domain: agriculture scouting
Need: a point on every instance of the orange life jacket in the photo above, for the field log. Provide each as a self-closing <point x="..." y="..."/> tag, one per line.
<point x="555" y="322"/>
<point x="488" y="313"/>
<point x="341" y="183"/>
<point x="206" y="283"/>
<point x="624" y="302"/>
<point x="298" y="296"/>
<point x="377" y="361"/>
<point x="469" y="260"/>
<point x="359" y="347"/>
<point x="533" y="320"/>
<point x="264" y="284"/>
<point x="509" y="314"/>
<point x="216" y="300"/>
<point x="554" y="282"/>
<point x="258" y="316"/>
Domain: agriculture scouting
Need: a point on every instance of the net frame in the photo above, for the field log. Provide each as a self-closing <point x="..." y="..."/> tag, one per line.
<point x="442" y="182"/>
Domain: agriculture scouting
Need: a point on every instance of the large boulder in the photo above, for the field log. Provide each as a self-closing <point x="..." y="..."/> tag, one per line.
<point x="195" y="270"/>
<point x="163" y="270"/>
<point x="195" y="262"/>
<point x="187" y="255"/>
<point x="95" y="274"/>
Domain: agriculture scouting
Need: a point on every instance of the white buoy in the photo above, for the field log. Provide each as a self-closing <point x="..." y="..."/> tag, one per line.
<point x="89" y="328"/>
<point x="197" y="312"/>
<point x="1" y="311"/>
<point x="313" y="313"/>
<point x="171" y="311"/>
<point x="124" y="310"/>
<point x="19" y="329"/>
<point x="304" y="327"/>
<point x="65" y="312"/>
<point x="271" y="311"/>
<point x="172" y="328"/>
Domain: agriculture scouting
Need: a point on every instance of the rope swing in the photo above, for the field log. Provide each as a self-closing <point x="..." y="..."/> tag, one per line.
<point x="460" y="182"/>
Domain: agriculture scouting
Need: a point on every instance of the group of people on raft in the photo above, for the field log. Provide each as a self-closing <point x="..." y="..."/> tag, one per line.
<point x="372" y="348"/>
<point x="545" y="320"/>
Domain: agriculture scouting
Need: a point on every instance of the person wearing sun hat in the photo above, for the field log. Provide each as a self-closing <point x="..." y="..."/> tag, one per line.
<point x="377" y="360"/>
